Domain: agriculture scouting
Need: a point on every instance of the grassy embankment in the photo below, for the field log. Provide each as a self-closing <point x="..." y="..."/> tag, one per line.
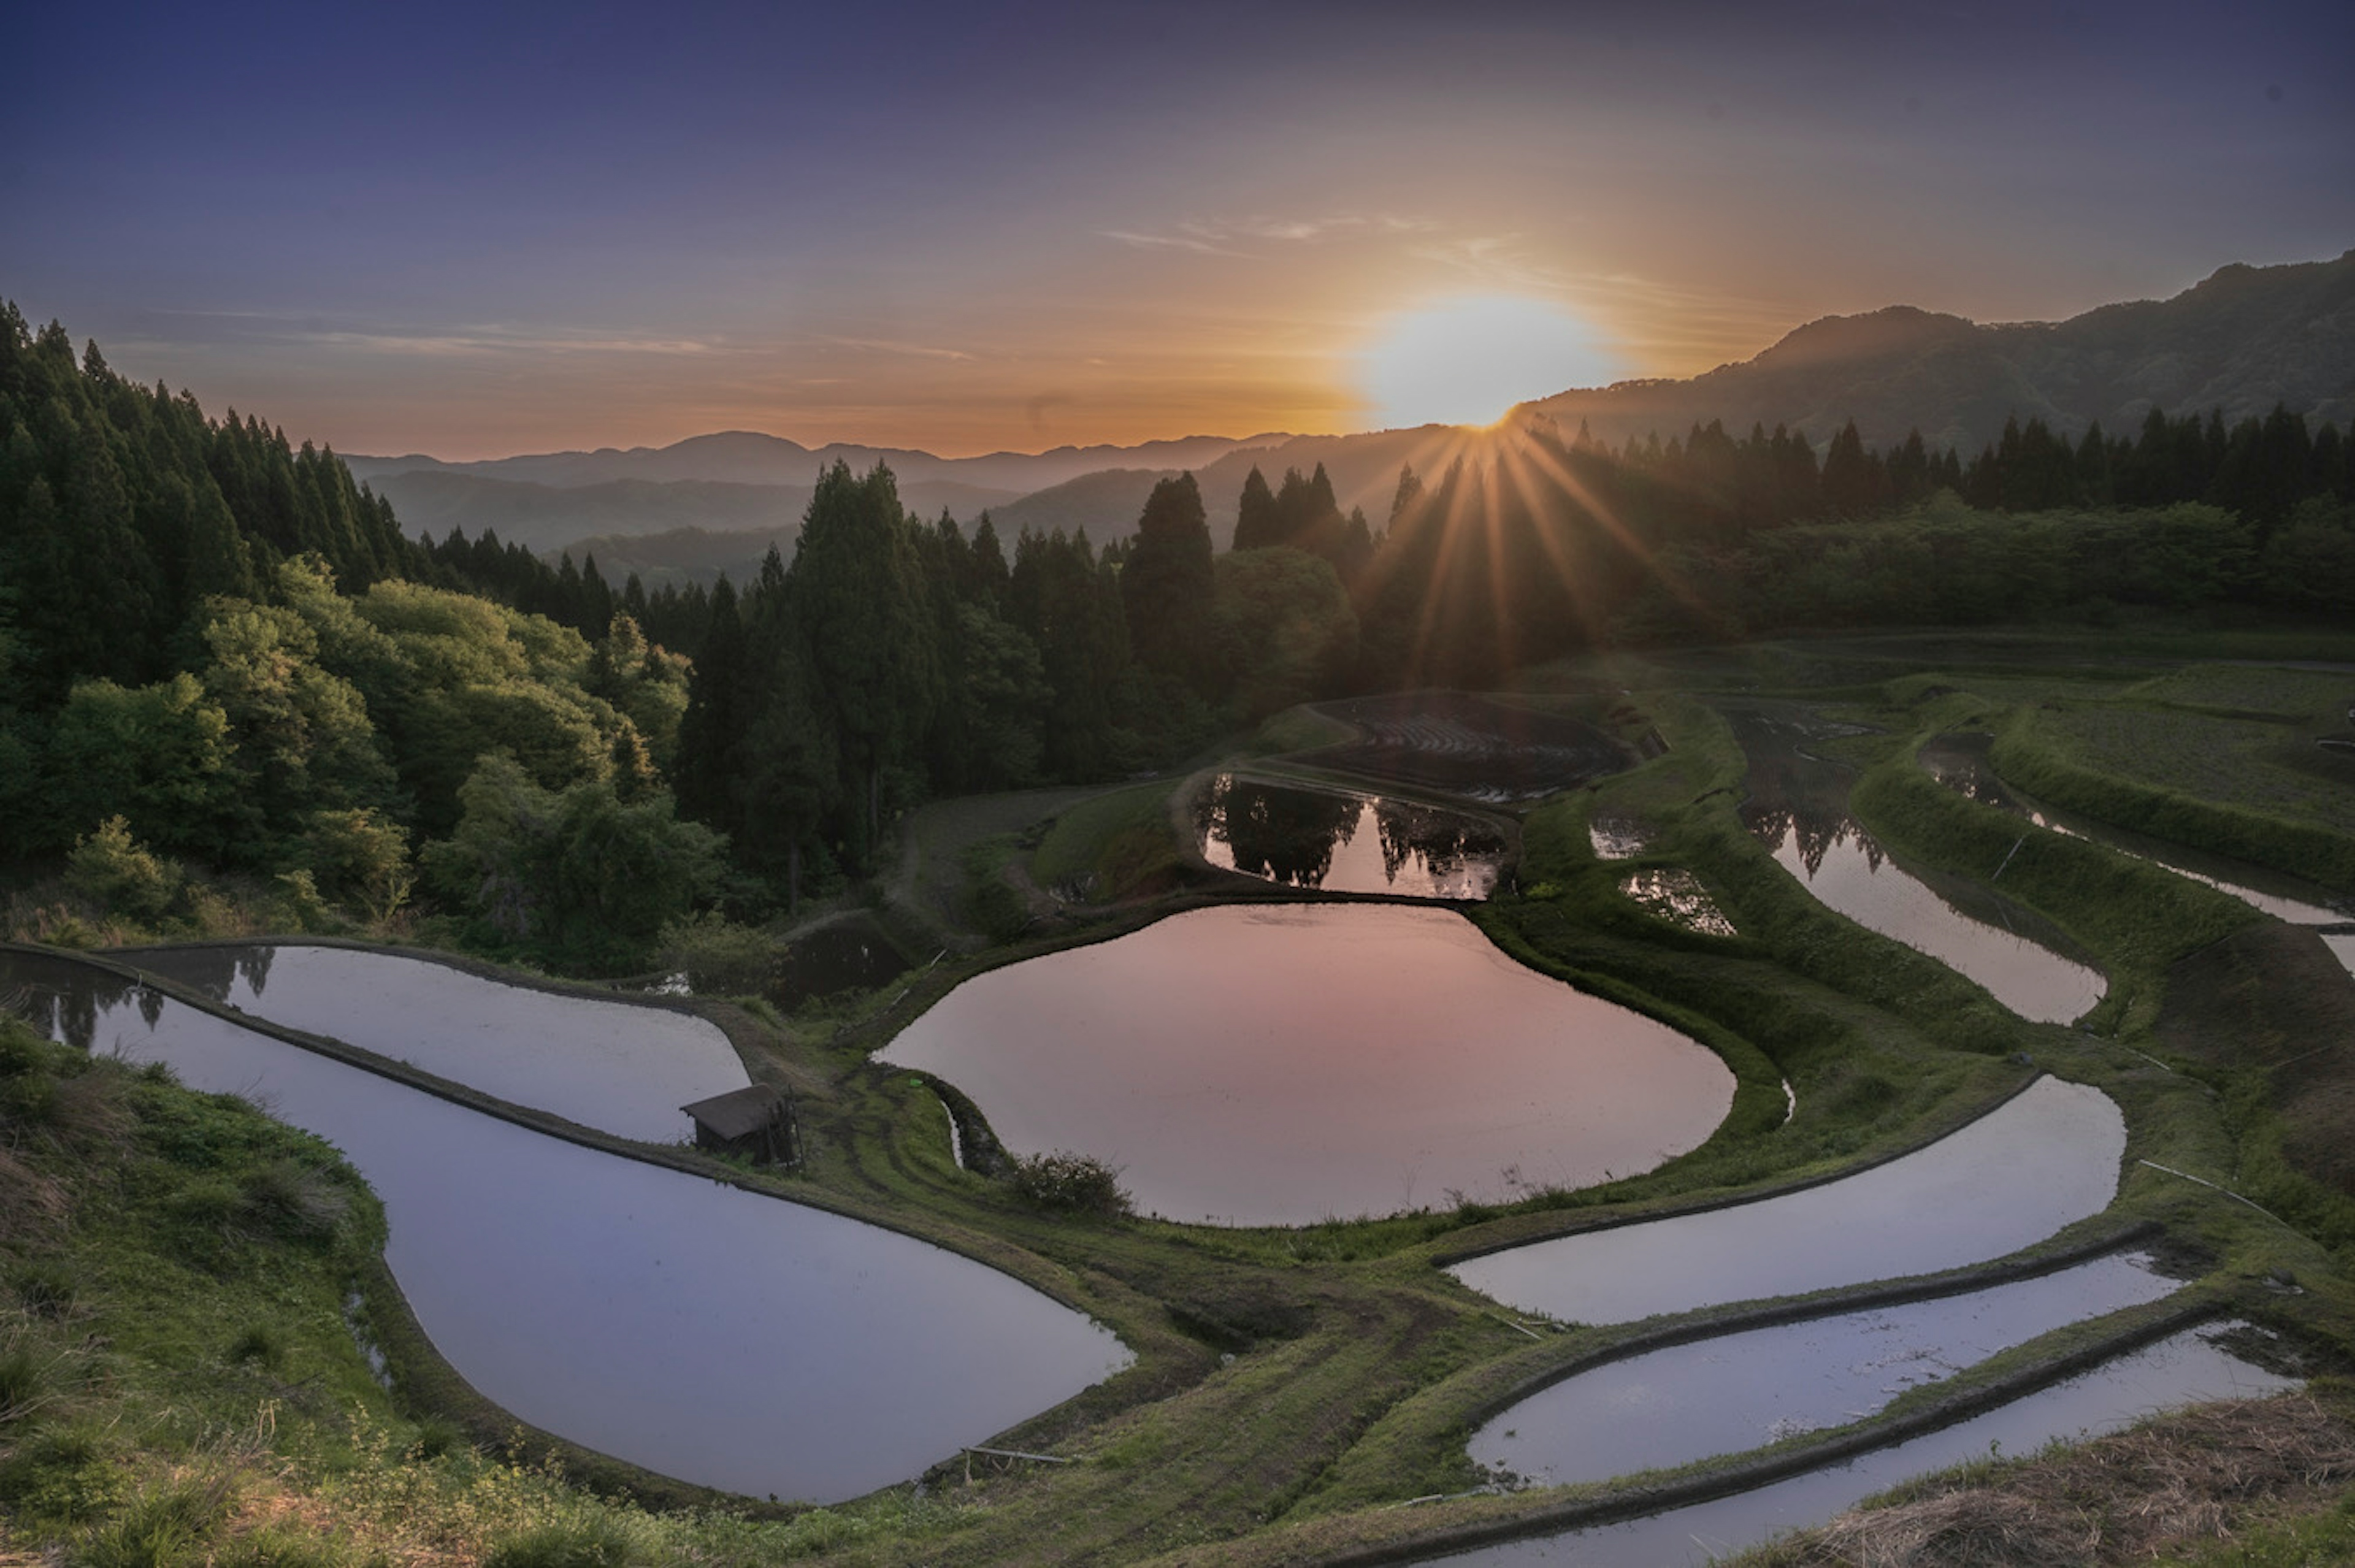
<point x="1356" y="1367"/>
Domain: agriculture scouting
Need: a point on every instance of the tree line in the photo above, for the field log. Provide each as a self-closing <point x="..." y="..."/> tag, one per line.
<point x="215" y="645"/>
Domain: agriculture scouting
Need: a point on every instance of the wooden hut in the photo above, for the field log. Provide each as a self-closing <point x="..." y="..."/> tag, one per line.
<point x="756" y="1121"/>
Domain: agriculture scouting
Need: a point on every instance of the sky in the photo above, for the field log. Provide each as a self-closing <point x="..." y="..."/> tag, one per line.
<point x="473" y="231"/>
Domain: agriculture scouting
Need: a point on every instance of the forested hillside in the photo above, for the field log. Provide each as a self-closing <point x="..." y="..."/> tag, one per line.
<point x="218" y="653"/>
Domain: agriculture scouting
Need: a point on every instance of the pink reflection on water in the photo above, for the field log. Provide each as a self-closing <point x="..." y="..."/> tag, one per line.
<point x="1254" y="1065"/>
<point x="1848" y="873"/>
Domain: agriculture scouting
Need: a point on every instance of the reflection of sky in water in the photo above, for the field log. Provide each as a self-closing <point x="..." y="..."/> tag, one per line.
<point x="2184" y="1368"/>
<point x="1261" y="1065"/>
<point x="1848" y="872"/>
<point x="1740" y="1390"/>
<point x="1617" y="839"/>
<point x="705" y="1332"/>
<point x="1346" y="842"/>
<point x="1678" y="897"/>
<point x="619" y="1067"/>
<point x="2044" y="1158"/>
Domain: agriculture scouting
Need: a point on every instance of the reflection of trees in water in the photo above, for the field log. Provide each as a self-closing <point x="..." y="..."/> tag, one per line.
<point x="1290" y="836"/>
<point x="213" y="971"/>
<point x="1287" y="836"/>
<point x="1816" y="834"/>
<point x="1444" y="839"/>
<point x="65" y="1002"/>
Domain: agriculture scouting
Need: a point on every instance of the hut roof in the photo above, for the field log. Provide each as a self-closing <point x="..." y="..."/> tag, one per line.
<point x="739" y="1112"/>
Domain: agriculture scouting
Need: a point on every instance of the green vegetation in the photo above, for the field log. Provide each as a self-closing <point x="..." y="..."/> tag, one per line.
<point x="1112" y="846"/>
<point x="1355" y="1364"/>
<point x="233" y="699"/>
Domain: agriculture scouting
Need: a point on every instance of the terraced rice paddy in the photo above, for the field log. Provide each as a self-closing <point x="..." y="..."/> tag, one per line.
<point x="1470" y="746"/>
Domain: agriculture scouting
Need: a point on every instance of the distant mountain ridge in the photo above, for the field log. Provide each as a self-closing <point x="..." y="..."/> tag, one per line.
<point x="749" y="457"/>
<point x="2242" y="340"/>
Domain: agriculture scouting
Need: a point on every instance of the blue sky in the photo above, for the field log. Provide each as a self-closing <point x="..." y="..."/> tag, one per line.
<point x="480" y="230"/>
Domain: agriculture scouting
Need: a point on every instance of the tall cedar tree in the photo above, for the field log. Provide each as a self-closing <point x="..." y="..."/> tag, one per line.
<point x="1167" y="586"/>
<point x="857" y="589"/>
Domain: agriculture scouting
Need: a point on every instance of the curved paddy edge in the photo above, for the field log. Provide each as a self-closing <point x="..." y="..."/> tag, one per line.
<point x="1613" y="1504"/>
<point x="1711" y="1323"/>
<point x="1578" y="1224"/>
<point x="1159" y="1353"/>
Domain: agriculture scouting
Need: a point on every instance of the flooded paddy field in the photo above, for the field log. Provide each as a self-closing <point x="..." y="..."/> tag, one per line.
<point x="1343" y="841"/>
<point x="1283" y="1065"/>
<point x="1797" y="808"/>
<point x="1678" y="897"/>
<point x="1461" y="744"/>
<point x="1744" y="1390"/>
<point x="704" y="1332"/>
<point x="1961" y="762"/>
<point x="618" y="1066"/>
<point x="2188" y="1368"/>
<point x="853" y="954"/>
<point x="2045" y="1158"/>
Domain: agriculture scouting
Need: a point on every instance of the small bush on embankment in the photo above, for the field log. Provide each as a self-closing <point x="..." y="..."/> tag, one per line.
<point x="1072" y="1184"/>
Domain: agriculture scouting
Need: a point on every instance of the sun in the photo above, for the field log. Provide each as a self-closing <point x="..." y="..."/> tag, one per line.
<point x="1468" y="361"/>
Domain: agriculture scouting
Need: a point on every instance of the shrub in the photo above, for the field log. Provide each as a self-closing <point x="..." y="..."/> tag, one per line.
<point x="1075" y="1183"/>
<point x="262" y="1342"/>
<point x="65" y="1473"/>
<point x="112" y="869"/>
<point x="718" y="956"/>
<point x="595" y="1542"/>
<point x="159" y="1527"/>
<point x="295" y="1201"/>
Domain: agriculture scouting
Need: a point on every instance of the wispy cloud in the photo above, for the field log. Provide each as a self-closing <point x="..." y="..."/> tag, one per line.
<point x="220" y="326"/>
<point x="1168" y="242"/>
<point x="1244" y="237"/>
<point x="889" y="345"/>
<point x="494" y="340"/>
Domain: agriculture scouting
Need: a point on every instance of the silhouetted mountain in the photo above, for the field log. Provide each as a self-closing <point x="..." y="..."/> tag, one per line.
<point x="745" y="457"/>
<point x="1107" y="504"/>
<point x="2245" y="339"/>
<point x="547" y="517"/>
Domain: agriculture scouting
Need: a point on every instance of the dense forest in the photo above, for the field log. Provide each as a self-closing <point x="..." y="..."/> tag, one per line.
<point x="217" y="648"/>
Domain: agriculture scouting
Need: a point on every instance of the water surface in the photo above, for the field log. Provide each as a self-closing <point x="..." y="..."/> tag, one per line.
<point x="1960" y="762"/>
<point x="2186" y="1369"/>
<point x="621" y="1067"/>
<point x="2044" y="1158"/>
<point x="1279" y="1066"/>
<point x="1678" y="897"/>
<point x="1346" y="842"/>
<point x="704" y="1332"/>
<point x="1617" y="837"/>
<point x="1743" y="1391"/>
<point x="1798" y="808"/>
